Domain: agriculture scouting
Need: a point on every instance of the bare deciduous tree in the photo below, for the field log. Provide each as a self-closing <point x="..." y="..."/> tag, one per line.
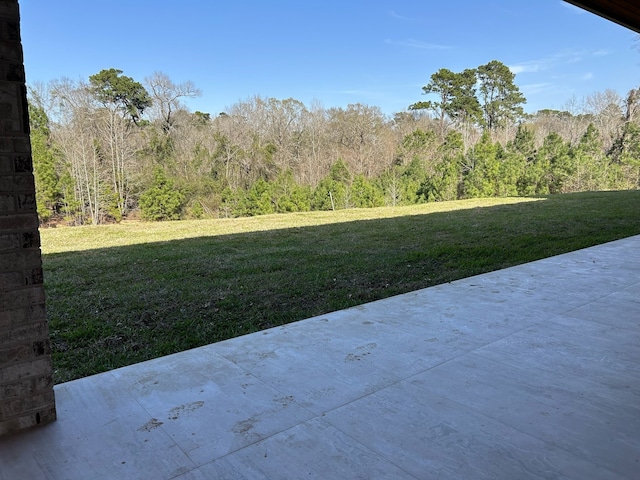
<point x="167" y="97"/>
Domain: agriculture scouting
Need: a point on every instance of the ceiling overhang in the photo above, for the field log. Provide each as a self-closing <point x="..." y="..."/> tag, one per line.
<point x="624" y="12"/>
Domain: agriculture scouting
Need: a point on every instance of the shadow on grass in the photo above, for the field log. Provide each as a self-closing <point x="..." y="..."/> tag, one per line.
<point x="112" y="307"/>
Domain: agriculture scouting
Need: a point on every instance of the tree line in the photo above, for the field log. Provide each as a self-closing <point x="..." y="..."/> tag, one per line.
<point x="111" y="148"/>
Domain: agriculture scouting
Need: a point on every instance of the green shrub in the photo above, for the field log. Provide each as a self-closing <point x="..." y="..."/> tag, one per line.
<point x="162" y="201"/>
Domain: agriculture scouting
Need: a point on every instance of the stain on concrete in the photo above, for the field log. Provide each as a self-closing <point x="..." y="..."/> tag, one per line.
<point x="284" y="401"/>
<point x="150" y="425"/>
<point x="244" y="426"/>
<point x="176" y="412"/>
<point x="264" y="355"/>
<point x="361" y="352"/>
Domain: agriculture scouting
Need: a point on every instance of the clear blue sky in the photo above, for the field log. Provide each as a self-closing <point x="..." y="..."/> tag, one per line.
<point x="336" y="52"/>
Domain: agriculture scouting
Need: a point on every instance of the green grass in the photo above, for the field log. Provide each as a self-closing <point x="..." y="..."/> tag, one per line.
<point x="121" y="294"/>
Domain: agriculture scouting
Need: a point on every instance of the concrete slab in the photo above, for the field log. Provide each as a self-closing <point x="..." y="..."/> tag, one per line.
<point x="528" y="372"/>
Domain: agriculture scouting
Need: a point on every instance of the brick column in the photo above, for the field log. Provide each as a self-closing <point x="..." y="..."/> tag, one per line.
<point x="26" y="384"/>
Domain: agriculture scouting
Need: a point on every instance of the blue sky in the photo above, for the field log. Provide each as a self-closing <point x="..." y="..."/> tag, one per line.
<point x="335" y="52"/>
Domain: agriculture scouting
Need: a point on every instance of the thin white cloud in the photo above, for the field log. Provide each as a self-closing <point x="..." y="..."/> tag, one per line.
<point x="545" y="63"/>
<point x="535" y="88"/>
<point x="586" y="77"/>
<point x="572" y="8"/>
<point x="532" y="66"/>
<point x="398" y="16"/>
<point x="601" y="53"/>
<point x="412" y="43"/>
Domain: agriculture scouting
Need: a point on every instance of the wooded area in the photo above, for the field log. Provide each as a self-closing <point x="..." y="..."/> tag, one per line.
<point x="113" y="148"/>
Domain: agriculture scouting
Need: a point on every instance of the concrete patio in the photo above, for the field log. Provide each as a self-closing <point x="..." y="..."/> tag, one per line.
<point x="526" y="373"/>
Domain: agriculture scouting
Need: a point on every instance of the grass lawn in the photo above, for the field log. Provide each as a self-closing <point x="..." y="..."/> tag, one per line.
<point x="121" y="294"/>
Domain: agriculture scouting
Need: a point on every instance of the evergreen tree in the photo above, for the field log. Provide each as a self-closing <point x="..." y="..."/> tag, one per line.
<point x="418" y="144"/>
<point x="445" y="184"/>
<point x="365" y="194"/>
<point x="332" y="193"/>
<point x="457" y="101"/>
<point x="47" y="179"/>
<point x="590" y="163"/>
<point x="110" y="87"/>
<point x="521" y="160"/>
<point x="482" y="169"/>
<point x="500" y="98"/>
<point x="288" y="196"/>
<point x="162" y="201"/>
<point x="556" y="164"/>
<point x="511" y="169"/>
<point x="523" y="143"/>
<point x="411" y="180"/>
<point x="257" y="200"/>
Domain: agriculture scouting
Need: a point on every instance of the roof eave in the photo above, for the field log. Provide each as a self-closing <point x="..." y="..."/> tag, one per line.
<point x="623" y="12"/>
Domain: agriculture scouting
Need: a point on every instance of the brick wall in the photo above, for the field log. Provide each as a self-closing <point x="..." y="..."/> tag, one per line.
<point x="26" y="386"/>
